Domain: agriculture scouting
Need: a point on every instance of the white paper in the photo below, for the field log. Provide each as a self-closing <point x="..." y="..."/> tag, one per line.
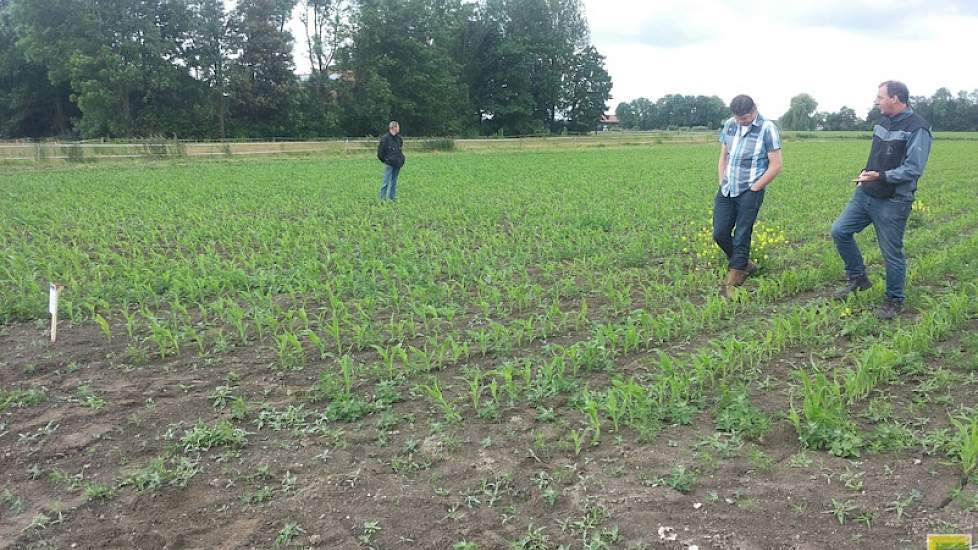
<point x="53" y="300"/>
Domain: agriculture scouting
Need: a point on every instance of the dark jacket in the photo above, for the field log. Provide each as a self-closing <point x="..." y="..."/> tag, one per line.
<point x="900" y="149"/>
<point x="389" y="150"/>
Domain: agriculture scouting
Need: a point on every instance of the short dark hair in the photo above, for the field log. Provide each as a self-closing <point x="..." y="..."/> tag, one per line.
<point x="742" y="105"/>
<point x="898" y="89"/>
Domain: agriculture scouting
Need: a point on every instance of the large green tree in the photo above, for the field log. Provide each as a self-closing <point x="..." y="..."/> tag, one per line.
<point x="409" y="47"/>
<point x="326" y="26"/>
<point x="549" y="33"/>
<point x="675" y="111"/>
<point x="844" y="120"/>
<point x="122" y="58"/>
<point x="263" y="95"/>
<point x="365" y="100"/>
<point x="30" y="104"/>
<point x="211" y="43"/>
<point x="627" y="119"/>
<point x="587" y="91"/>
<point x="646" y="116"/>
<point x="800" y="114"/>
<point x="191" y="68"/>
<point x="530" y="68"/>
<point x="496" y="70"/>
<point x="710" y="112"/>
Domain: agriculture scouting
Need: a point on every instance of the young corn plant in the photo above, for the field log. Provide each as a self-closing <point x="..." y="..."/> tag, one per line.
<point x="966" y="444"/>
<point x="823" y="421"/>
<point x="288" y="533"/>
<point x="290" y="354"/>
<point x="577" y="438"/>
<point x="347" y="368"/>
<point x="131" y="318"/>
<point x="681" y="478"/>
<point x="13" y="503"/>
<point x="317" y="342"/>
<point x="473" y="379"/>
<point x="614" y="408"/>
<point x="591" y="410"/>
<point x="433" y="392"/>
<point x="159" y="474"/>
<point x="221" y="397"/>
<point x="899" y="505"/>
<point x="166" y="342"/>
<point x="334" y="330"/>
<point x="19" y="398"/>
<point x="234" y="315"/>
<point x="490" y="411"/>
<point x="482" y="339"/>
<point x="876" y="366"/>
<point x="420" y="360"/>
<point x="510" y="377"/>
<point x="639" y="411"/>
<point x="392" y="356"/>
<point x="202" y="437"/>
<point x="738" y="414"/>
<point x="103" y="325"/>
<point x="842" y="510"/>
<point x="89" y="399"/>
<point x="364" y="335"/>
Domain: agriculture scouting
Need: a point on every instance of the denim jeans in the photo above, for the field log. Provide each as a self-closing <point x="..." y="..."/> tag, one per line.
<point x="733" y="225"/>
<point x="889" y="217"/>
<point x="388" y="189"/>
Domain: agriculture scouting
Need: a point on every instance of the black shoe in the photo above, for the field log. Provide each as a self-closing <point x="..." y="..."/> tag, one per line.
<point x="890" y="309"/>
<point x="857" y="284"/>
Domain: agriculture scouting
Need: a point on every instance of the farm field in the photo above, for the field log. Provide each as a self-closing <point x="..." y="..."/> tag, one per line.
<point x="527" y="351"/>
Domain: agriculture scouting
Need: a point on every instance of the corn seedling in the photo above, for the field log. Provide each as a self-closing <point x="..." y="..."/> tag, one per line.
<point x="434" y="393"/>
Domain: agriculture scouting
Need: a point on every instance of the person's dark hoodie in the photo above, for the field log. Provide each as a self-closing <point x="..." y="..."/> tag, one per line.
<point x="389" y="151"/>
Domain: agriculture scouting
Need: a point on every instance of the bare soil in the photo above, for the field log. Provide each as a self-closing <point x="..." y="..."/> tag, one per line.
<point x="424" y="486"/>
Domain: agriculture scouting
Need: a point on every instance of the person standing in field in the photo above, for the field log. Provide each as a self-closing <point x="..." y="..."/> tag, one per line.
<point x="389" y="151"/>
<point x="750" y="158"/>
<point x="884" y="196"/>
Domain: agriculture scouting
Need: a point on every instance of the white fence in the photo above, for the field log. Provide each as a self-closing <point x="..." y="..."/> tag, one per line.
<point x="94" y="151"/>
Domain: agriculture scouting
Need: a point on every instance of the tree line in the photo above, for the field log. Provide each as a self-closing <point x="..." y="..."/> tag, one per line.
<point x="672" y="111"/>
<point x="943" y="110"/>
<point x="194" y="69"/>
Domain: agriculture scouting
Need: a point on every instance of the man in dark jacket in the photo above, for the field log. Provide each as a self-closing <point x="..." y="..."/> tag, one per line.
<point x="389" y="152"/>
<point x="884" y="195"/>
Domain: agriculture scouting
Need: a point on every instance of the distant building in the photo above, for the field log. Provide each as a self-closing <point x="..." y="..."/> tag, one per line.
<point x="608" y="122"/>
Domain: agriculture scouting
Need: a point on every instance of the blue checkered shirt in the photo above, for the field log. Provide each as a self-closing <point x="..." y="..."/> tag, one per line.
<point x="747" y="160"/>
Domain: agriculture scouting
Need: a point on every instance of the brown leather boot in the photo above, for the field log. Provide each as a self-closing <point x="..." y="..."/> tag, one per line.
<point x="751" y="268"/>
<point x="735" y="278"/>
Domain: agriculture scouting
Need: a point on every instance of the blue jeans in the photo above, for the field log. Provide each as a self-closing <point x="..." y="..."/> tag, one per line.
<point x="388" y="189"/>
<point x="733" y="225"/>
<point x="889" y="217"/>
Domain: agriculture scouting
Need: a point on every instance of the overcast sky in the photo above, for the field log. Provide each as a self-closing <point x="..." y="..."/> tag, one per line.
<point x="835" y="50"/>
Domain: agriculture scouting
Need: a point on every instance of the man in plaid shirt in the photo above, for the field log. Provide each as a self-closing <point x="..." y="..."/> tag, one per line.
<point x="750" y="158"/>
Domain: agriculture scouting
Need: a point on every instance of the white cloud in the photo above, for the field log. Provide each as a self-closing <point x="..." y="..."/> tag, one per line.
<point x="835" y="50"/>
<point x="665" y="23"/>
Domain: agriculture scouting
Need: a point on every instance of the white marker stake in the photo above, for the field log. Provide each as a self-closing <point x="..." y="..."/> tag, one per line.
<point x="53" y="309"/>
